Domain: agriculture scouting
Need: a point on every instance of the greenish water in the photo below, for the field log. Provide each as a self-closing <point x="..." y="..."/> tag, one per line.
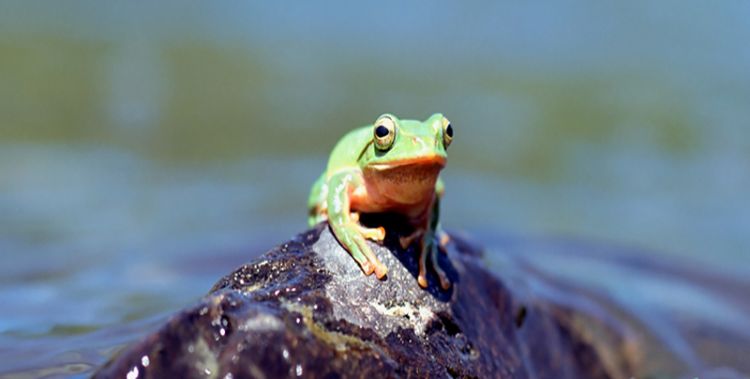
<point x="146" y="149"/>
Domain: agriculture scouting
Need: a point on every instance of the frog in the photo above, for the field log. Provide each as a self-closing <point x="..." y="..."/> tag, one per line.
<point x="389" y="166"/>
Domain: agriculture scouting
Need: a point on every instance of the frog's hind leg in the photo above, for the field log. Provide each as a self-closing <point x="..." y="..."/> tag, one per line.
<point x="433" y="240"/>
<point x="316" y="215"/>
<point x="317" y="206"/>
<point x="422" y="276"/>
<point x="429" y="249"/>
<point x="445" y="283"/>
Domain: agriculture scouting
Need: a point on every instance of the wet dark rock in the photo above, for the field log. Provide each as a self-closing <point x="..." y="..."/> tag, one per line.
<point x="304" y="309"/>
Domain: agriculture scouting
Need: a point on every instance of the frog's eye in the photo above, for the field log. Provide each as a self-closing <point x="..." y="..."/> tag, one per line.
<point x="384" y="133"/>
<point x="447" y="132"/>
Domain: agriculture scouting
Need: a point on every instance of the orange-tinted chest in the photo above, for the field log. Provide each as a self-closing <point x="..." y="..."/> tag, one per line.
<point x="408" y="190"/>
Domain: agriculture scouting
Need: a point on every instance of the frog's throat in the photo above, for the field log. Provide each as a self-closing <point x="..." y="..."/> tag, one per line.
<point x="405" y="183"/>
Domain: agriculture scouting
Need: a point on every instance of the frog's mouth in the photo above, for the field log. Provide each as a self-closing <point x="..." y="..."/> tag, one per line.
<point x="428" y="161"/>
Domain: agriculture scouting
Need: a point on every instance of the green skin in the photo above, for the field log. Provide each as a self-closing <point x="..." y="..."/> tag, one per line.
<point x="397" y="173"/>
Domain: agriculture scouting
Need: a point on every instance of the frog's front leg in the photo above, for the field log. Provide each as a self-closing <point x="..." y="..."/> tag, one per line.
<point x="430" y="246"/>
<point x="346" y="227"/>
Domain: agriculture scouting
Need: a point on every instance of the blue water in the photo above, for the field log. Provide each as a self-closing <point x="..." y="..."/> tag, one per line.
<point x="147" y="149"/>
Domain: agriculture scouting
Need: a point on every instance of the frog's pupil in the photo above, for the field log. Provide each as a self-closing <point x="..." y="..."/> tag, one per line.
<point x="381" y="131"/>
<point x="449" y="131"/>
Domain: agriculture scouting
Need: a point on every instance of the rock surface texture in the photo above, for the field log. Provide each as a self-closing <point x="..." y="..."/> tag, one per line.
<point x="304" y="309"/>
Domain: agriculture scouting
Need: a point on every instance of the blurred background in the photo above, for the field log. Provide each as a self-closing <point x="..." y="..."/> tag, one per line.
<point x="147" y="148"/>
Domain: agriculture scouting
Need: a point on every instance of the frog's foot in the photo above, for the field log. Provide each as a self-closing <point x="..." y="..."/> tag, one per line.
<point x="372" y="263"/>
<point x="353" y="240"/>
<point x="375" y="234"/>
<point x="430" y="249"/>
<point x="405" y="241"/>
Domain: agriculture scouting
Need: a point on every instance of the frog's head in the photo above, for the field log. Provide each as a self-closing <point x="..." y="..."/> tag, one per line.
<point x="404" y="157"/>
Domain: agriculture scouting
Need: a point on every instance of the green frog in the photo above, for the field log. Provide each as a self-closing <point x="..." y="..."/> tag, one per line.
<point x="392" y="165"/>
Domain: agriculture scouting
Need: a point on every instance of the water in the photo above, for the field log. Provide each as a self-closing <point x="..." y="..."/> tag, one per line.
<point x="146" y="149"/>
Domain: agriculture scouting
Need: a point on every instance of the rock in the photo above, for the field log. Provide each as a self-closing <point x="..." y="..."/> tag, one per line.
<point x="304" y="309"/>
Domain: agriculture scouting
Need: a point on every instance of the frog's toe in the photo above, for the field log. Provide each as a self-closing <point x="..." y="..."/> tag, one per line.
<point x="445" y="284"/>
<point x="371" y="260"/>
<point x="422" y="280"/>
<point x="352" y="242"/>
<point x="361" y="258"/>
<point x="380" y="270"/>
<point x="422" y="276"/>
<point x="405" y="241"/>
<point x="366" y="268"/>
<point x="443" y="240"/>
<point x="375" y="234"/>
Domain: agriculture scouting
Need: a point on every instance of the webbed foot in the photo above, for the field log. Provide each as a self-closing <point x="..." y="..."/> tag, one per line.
<point x="352" y="236"/>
